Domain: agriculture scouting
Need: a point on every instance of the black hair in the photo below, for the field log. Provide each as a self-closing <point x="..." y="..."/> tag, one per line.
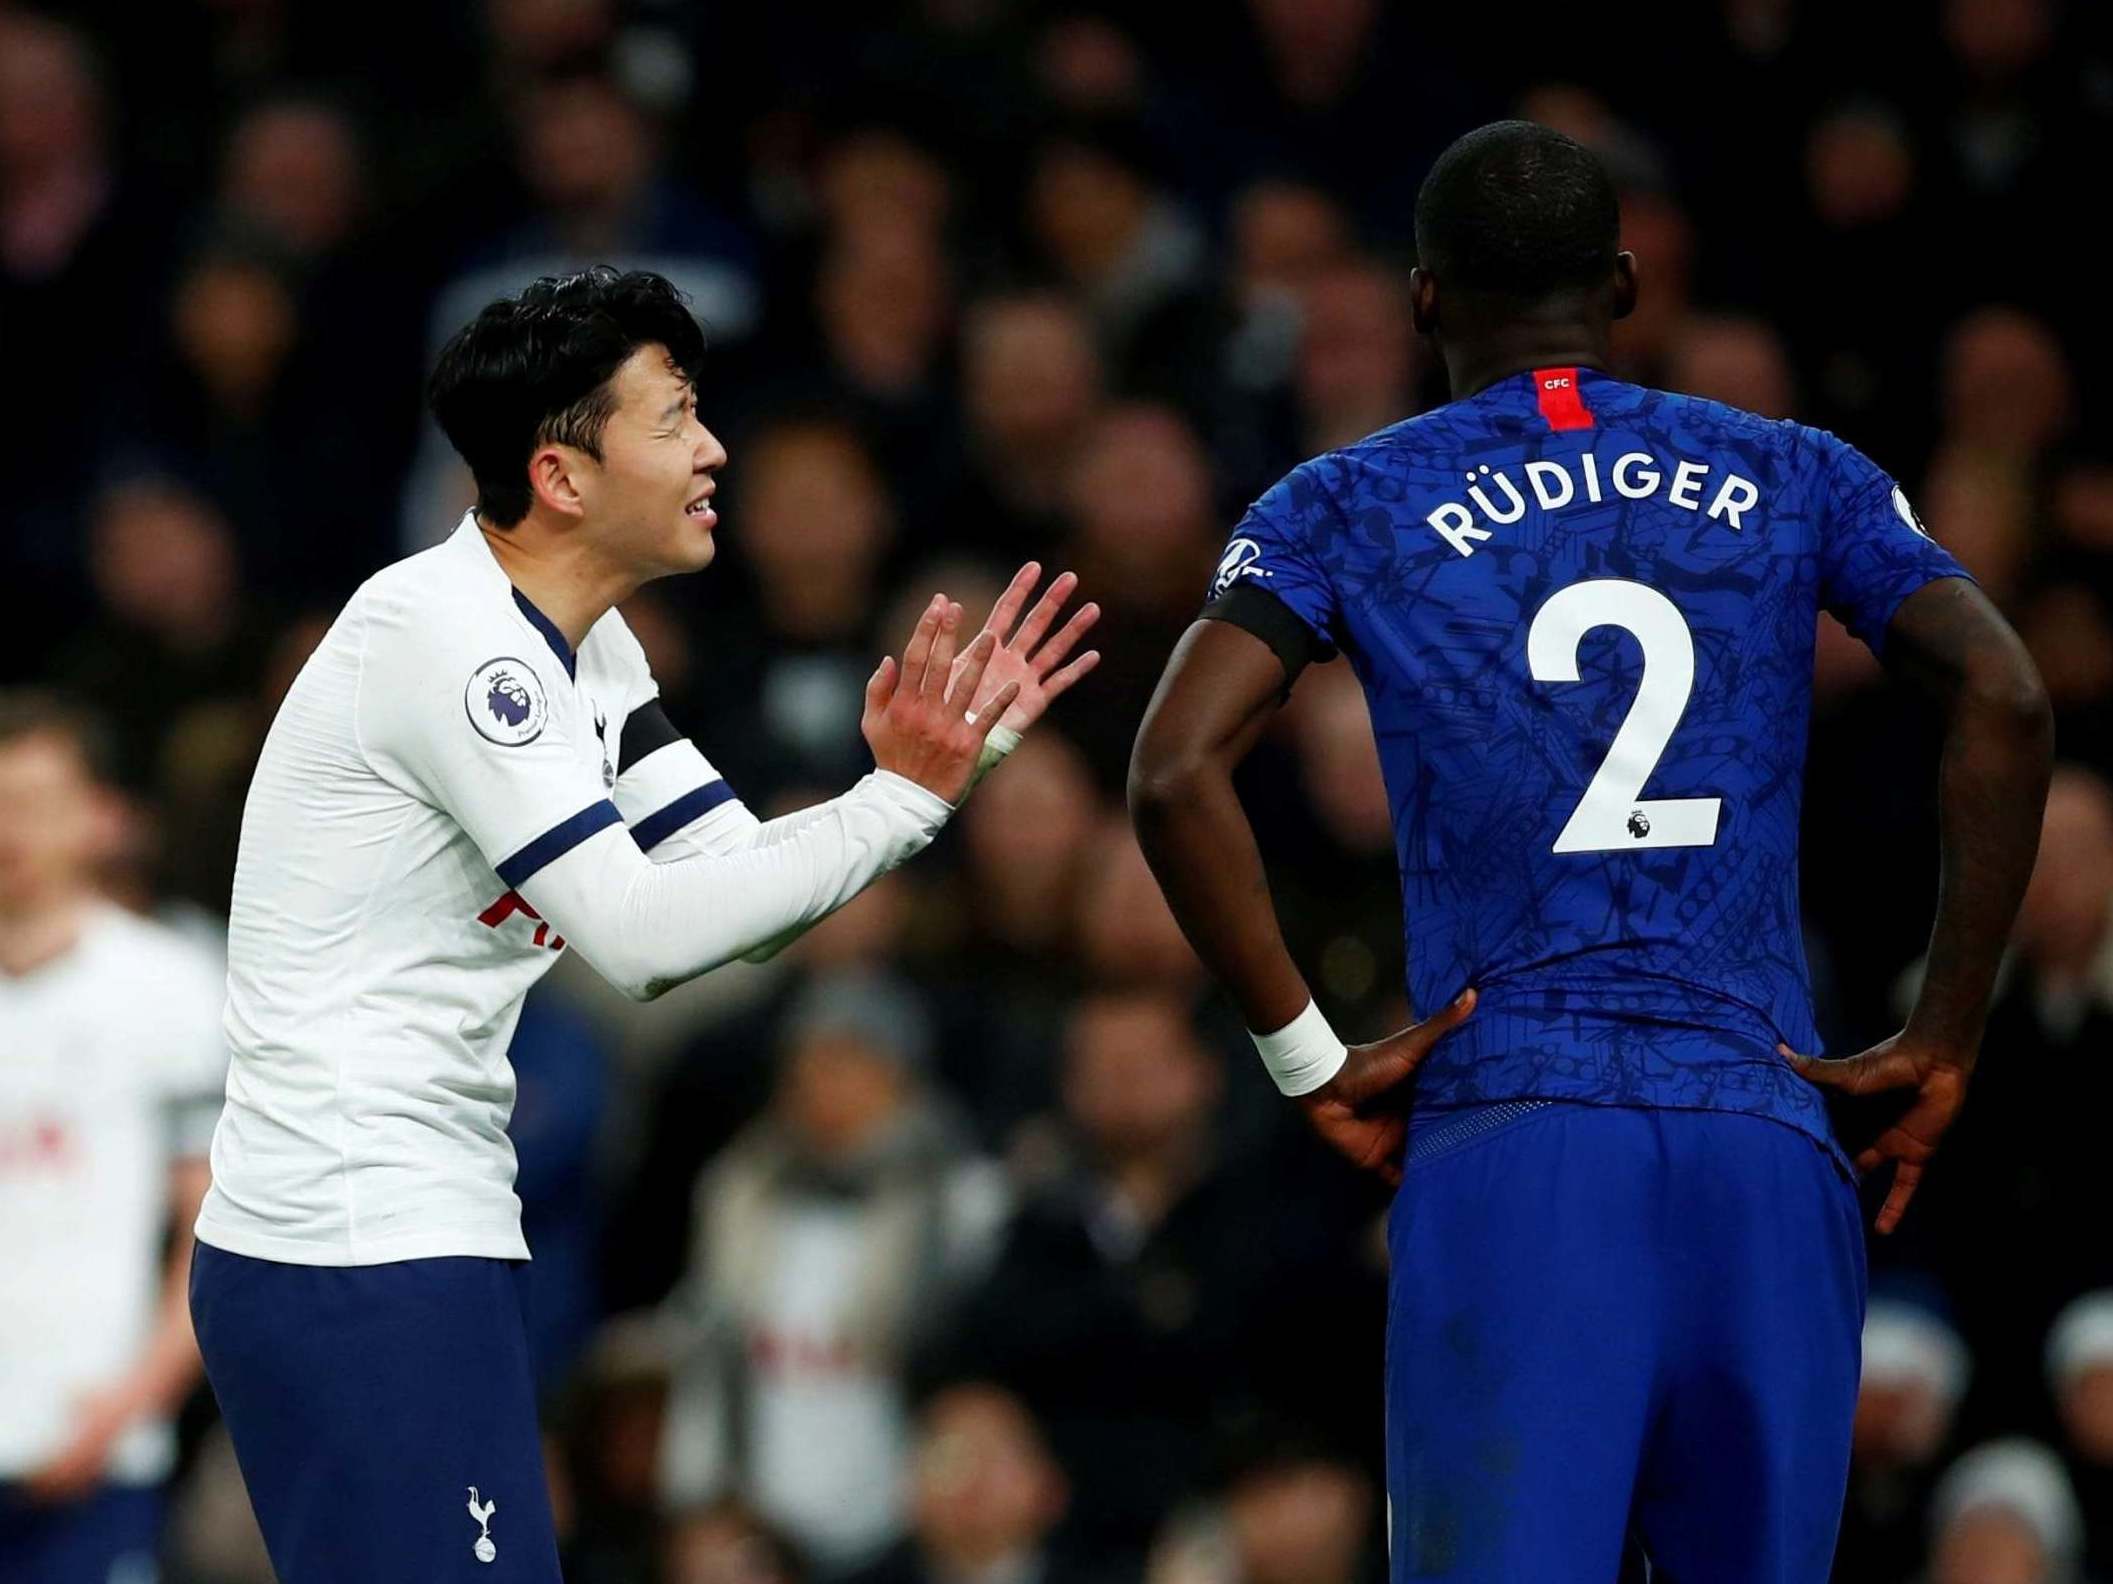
<point x="534" y="369"/>
<point x="1518" y="210"/>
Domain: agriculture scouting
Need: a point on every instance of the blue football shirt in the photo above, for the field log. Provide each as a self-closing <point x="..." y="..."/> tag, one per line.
<point x="1583" y="613"/>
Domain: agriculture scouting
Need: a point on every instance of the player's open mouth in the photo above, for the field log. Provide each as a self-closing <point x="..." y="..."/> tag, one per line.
<point x="701" y="509"/>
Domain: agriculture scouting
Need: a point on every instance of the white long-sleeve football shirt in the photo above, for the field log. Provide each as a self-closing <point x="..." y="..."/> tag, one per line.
<point x="445" y="801"/>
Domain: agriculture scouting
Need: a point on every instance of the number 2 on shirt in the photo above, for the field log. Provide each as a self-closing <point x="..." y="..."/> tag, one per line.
<point x="1611" y="817"/>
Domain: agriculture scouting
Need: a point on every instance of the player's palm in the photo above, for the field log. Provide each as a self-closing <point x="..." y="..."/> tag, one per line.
<point x="1938" y="1078"/>
<point x="1020" y="656"/>
<point x="1363" y="1110"/>
<point x="915" y="723"/>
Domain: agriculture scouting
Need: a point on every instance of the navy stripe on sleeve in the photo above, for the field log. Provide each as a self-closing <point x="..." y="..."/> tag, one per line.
<point x="559" y="840"/>
<point x="656" y="828"/>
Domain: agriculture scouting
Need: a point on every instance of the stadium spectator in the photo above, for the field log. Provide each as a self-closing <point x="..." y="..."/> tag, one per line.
<point x="829" y="1234"/>
<point x="727" y="1542"/>
<point x="2005" y="1514"/>
<point x="111" y="1068"/>
<point x="1915" y="1370"/>
<point x="1031" y="384"/>
<point x="2004" y="1261"/>
<point x="984" y="1497"/>
<point x="1290" y="1516"/>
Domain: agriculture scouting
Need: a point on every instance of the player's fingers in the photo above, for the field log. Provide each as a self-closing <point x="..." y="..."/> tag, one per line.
<point x="880" y="687"/>
<point x="942" y="663"/>
<point x="1051" y="654"/>
<point x="1850" y="1074"/>
<point x="969" y="673"/>
<point x="1905" y="1178"/>
<point x="988" y="717"/>
<point x="1045" y="612"/>
<point x="1007" y="611"/>
<point x="917" y="658"/>
<point x="1442" y="1022"/>
<point x="1060" y="684"/>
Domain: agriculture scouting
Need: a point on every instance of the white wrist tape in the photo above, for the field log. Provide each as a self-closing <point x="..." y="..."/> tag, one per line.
<point x="1303" y="1054"/>
<point x="1001" y="741"/>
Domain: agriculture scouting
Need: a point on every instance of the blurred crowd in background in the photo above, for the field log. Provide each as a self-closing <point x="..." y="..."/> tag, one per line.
<point x="967" y="1242"/>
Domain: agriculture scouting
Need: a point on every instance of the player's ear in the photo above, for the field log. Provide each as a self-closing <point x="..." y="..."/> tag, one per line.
<point x="553" y="473"/>
<point x="1624" y="285"/>
<point x="1423" y="301"/>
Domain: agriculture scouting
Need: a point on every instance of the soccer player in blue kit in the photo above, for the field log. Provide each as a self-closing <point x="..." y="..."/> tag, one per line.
<point x="1627" y="1255"/>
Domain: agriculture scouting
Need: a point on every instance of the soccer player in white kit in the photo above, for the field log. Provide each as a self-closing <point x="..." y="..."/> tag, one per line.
<point x="470" y="775"/>
<point x="111" y="1067"/>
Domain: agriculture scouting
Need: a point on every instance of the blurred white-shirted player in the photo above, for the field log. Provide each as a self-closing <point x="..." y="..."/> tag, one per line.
<point x="471" y="774"/>
<point x="111" y="1067"/>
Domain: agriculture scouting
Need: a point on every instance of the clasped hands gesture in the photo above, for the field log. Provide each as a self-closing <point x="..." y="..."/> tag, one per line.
<point x="928" y="715"/>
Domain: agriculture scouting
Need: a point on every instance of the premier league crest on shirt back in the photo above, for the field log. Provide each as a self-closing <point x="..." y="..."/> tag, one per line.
<point x="506" y="703"/>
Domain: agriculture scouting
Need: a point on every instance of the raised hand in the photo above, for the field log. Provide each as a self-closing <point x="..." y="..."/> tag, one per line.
<point x="1021" y="656"/>
<point x="914" y="726"/>
<point x="1938" y="1078"/>
<point x="1362" y="1111"/>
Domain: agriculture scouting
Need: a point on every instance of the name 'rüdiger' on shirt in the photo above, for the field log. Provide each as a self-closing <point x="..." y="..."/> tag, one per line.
<point x="1494" y="496"/>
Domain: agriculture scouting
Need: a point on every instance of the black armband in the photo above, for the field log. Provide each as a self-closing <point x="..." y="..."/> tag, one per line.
<point x="646" y="730"/>
<point x="1256" y="610"/>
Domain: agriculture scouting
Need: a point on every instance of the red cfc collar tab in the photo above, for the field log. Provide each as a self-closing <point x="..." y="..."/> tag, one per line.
<point x="1561" y="402"/>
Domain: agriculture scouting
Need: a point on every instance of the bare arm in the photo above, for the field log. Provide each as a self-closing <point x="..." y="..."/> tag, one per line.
<point x="1220" y="689"/>
<point x="1948" y="643"/>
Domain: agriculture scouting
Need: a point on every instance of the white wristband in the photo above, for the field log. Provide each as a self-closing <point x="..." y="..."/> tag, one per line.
<point x="1001" y="741"/>
<point x="1303" y="1054"/>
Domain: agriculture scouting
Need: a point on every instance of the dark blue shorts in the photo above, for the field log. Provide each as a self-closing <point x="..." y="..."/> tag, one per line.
<point x="1616" y="1334"/>
<point x="110" y="1536"/>
<point x="367" y="1403"/>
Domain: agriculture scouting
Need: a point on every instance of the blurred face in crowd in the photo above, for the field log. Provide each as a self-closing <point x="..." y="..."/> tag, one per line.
<point x="982" y="1486"/>
<point x="883" y="300"/>
<point x="1988" y="1546"/>
<point x="1658" y="232"/>
<point x="838" y="1092"/>
<point x="296" y="170"/>
<point x="1032" y="377"/>
<point x="1136" y="1079"/>
<point x="1356" y="360"/>
<point x="1859" y="169"/>
<point x="234" y="322"/>
<point x="1088" y="66"/>
<point x="1127" y="934"/>
<point x="1977" y="507"/>
<point x="1300" y="1524"/>
<point x="2087" y="1412"/>
<point x="2006" y="384"/>
<point x="583" y="144"/>
<point x="1085" y="208"/>
<point x="1738" y="361"/>
<point x="1141" y="493"/>
<point x="547" y="32"/>
<point x="723" y="1546"/>
<point x="878" y="178"/>
<point x="1338" y="760"/>
<point x="1997" y="39"/>
<point x="1026" y="830"/>
<point x="50" y="111"/>
<point x="814" y="524"/>
<point x="56" y="822"/>
<point x="2065" y="914"/>
<point x="1283" y="236"/>
<point x="1899" y="1421"/>
<point x="163" y="562"/>
<point x="648" y="494"/>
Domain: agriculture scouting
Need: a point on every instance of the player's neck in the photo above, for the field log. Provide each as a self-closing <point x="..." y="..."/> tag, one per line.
<point x="561" y="576"/>
<point x="41" y="933"/>
<point x="1473" y="367"/>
